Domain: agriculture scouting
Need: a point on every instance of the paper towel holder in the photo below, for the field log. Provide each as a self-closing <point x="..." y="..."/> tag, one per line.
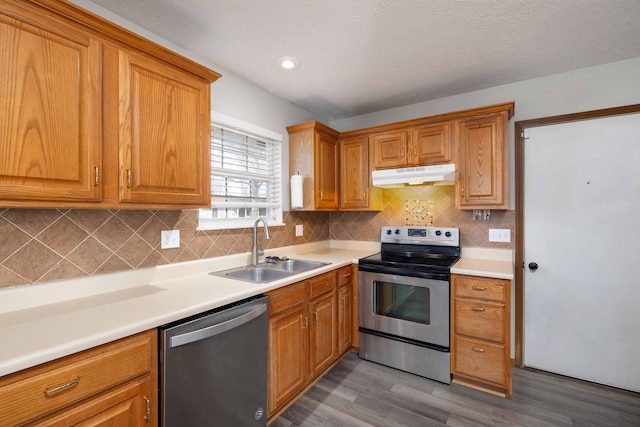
<point x="297" y="199"/>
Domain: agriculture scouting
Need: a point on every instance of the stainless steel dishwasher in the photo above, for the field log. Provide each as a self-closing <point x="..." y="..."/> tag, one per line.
<point x="213" y="367"/>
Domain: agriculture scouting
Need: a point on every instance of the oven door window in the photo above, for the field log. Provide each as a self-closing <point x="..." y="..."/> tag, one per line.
<point x="405" y="302"/>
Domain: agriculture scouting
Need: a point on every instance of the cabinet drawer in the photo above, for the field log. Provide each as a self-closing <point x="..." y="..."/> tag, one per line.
<point x="480" y="288"/>
<point x="344" y="275"/>
<point x="320" y="284"/>
<point x="480" y="320"/>
<point x="287" y="297"/>
<point x="479" y="360"/>
<point x="55" y="385"/>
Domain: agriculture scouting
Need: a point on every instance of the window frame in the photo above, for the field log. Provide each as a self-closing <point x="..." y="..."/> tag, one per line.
<point x="205" y="220"/>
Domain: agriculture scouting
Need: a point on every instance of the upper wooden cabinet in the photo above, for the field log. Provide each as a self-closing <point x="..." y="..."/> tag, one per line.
<point x="415" y="146"/>
<point x="356" y="192"/>
<point x="482" y="162"/>
<point x="164" y="133"/>
<point x="50" y="110"/>
<point x="389" y="149"/>
<point x="313" y="152"/>
<point x="93" y="115"/>
<point x="432" y="144"/>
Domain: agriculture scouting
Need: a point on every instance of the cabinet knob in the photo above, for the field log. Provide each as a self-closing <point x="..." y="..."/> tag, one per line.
<point x="305" y="325"/>
<point x="479" y="288"/>
<point x="480" y="309"/>
<point x="477" y="349"/>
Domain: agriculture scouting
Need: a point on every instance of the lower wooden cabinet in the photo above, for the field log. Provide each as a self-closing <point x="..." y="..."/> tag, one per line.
<point x="111" y="385"/>
<point x="480" y="333"/>
<point x="345" y="308"/>
<point x="309" y="329"/>
<point x="323" y="332"/>
<point x="288" y="345"/>
<point x="128" y="405"/>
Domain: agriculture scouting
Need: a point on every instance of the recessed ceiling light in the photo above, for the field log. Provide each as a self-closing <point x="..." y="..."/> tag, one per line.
<point x="288" y="62"/>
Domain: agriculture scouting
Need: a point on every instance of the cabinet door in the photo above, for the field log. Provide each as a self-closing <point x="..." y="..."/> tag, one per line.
<point x="389" y="150"/>
<point x="128" y="405"/>
<point x="345" y="318"/>
<point x="326" y="171"/>
<point x="432" y="144"/>
<point x="165" y="133"/>
<point x="324" y="332"/>
<point x="483" y="171"/>
<point x="288" y="356"/>
<point x="354" y="173"/>
<point x="51" y="113"/>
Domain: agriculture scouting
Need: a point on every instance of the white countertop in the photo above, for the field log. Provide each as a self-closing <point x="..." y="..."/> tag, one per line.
<point x="485" y="262"/>
<point x="40" y="323"/>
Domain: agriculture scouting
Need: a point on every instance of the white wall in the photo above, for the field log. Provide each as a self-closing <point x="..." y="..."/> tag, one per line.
<point x="610" y="85"/>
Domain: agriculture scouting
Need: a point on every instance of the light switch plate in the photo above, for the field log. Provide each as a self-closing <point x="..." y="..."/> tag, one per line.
<point x="170" y="239"/>
<point x="299" y="230"/>
<point x="499" y="235"/>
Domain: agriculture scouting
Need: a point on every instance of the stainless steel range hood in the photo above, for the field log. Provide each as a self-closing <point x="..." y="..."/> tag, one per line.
<point x="396" y="178"/>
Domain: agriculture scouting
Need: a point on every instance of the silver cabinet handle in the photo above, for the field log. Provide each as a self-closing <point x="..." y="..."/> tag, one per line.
<point x="210" y="331"/>
<point x="478" y="349"/>
<point x="480" y="309"/>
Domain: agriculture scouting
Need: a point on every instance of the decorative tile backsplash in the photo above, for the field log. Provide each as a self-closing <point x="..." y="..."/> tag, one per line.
<point x="41" y="245"/>
<point x="418" y="213"/>
<point x="397" y="202"/>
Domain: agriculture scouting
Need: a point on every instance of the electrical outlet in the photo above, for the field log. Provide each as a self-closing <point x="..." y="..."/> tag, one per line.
<point x="170" y="239"/>
<point x="499" y="235"/>
<point x="299" y="230"/>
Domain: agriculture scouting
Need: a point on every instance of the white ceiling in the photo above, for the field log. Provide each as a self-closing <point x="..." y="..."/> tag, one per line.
<point x="361" y="56"/>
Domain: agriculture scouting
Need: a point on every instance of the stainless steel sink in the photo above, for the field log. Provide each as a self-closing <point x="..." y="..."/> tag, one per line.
<point x="268" y="272"/>
<point x="257" y="274"/>
<point x="297" y="265"/>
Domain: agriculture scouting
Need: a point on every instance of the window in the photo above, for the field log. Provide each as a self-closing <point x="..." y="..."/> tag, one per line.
<point x="245" y="175"/>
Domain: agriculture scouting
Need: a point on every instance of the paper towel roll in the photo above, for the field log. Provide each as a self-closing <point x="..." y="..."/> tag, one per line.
<point x="296" y="192"/>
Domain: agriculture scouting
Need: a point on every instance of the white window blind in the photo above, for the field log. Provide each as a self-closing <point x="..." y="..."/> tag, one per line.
<point x="245" y="177"/>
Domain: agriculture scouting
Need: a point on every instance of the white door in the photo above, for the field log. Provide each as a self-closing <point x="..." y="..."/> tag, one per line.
<point x="582" y="229"/>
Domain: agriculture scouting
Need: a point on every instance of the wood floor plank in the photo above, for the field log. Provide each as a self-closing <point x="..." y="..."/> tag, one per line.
<point x="360" y="393"/>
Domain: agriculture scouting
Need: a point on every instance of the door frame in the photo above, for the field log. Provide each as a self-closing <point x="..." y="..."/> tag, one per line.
<point x="520" y="127"/>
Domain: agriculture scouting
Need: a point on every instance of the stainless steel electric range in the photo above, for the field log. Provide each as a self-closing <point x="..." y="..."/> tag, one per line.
<point x="404" y="300"/>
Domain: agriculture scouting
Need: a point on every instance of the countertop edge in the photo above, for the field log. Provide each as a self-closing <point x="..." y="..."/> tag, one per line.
<point x="99" y="324"/>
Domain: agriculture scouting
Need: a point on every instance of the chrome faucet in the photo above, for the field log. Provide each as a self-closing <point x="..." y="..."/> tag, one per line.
<point x="254" y="249"/>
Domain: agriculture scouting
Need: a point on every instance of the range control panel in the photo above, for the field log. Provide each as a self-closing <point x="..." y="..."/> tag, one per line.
<point x="439" y="236"/>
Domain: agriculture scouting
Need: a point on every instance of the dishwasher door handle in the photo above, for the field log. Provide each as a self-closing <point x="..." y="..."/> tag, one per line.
<point x="210" y="331"/>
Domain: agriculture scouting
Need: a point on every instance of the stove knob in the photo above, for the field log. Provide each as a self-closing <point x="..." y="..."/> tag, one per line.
<point x="438" y="232"/>
<point x="389" y="232"/>
<point x="448" y="234"/>
<point x="397" y="231"/>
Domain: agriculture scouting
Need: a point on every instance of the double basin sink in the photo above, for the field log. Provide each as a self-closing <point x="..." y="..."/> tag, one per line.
<point x="269" y="271"/>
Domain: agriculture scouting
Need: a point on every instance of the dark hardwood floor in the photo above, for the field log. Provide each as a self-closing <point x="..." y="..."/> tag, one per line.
<point x="360" y="393"/>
